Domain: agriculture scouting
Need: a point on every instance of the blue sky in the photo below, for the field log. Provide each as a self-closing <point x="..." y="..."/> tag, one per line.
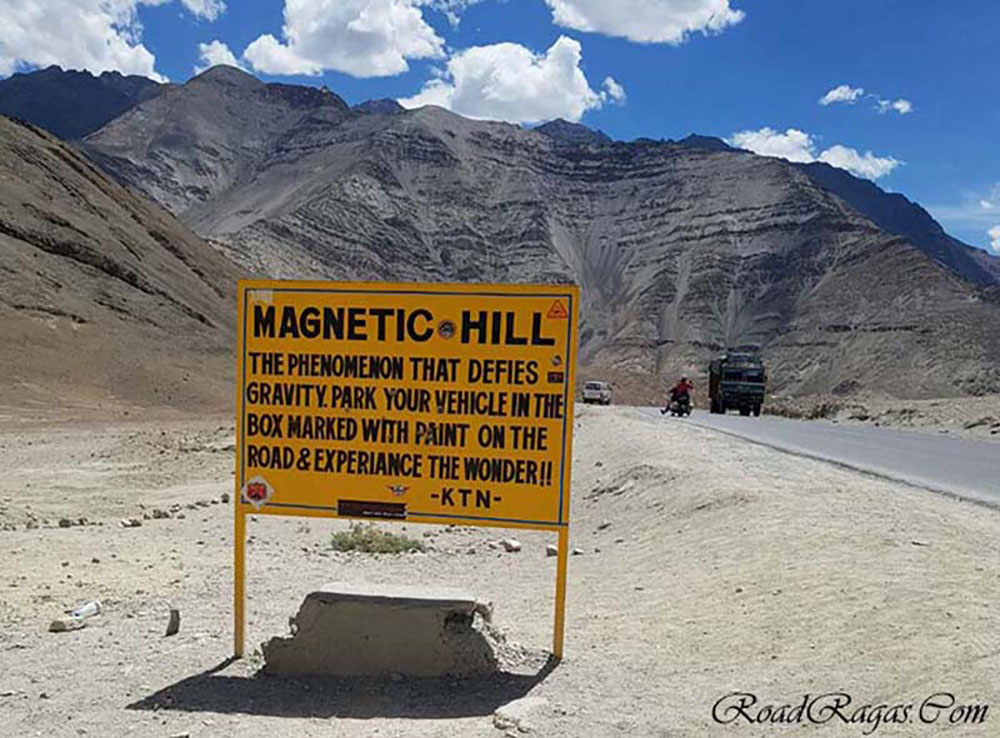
<point x="919" y="79"/>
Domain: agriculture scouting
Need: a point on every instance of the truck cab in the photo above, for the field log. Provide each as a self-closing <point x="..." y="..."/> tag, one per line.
<point x="737" y="381"/>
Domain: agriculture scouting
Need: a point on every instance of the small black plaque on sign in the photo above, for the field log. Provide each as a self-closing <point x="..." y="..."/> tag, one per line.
<point x="370" y="509"/>
<point x="556" y="377"/>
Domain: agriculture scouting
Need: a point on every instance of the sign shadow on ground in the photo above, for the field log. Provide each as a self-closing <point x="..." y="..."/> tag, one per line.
<point x="327" y="697"/>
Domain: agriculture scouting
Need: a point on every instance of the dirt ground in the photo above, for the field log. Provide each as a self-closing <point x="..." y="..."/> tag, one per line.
<point x="708" y="566"/>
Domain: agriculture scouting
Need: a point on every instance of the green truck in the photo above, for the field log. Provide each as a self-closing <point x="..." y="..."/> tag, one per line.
<point x="737" y="381"/>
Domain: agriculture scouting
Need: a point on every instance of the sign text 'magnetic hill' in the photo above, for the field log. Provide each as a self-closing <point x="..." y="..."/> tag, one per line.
<point x="429" y="402"/>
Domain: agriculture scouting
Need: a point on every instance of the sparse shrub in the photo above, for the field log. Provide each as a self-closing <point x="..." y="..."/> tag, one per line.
<point x="365" y="537"/>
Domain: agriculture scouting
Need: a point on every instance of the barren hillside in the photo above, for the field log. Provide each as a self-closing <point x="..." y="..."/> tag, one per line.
<point x="107" y="302"/>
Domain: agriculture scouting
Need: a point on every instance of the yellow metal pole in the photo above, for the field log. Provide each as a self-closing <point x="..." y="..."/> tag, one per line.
<point x="239" y="579"/>
<point x="560" y="625"/>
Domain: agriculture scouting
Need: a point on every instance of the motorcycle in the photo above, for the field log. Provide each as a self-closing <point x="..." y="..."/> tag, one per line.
<point x="679" y="406"/>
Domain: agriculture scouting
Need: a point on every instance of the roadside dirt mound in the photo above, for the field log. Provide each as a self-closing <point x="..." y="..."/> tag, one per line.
<point x="972" y="417"/>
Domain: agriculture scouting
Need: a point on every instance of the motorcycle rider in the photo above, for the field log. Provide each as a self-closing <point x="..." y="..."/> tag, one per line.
<point x="680" y="392"/>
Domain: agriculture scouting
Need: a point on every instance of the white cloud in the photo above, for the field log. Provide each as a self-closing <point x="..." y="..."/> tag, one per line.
<point x="96" y="35"/>
<point x="793" y="145"/>
<point x="850" y="95"/>
<point x="842" y="93"/>
<point x="207" y="9"/>
<point x="994" y="234"/>
<point x="799" y="146"/>
<point x="865" y="165"/>
<point x="614" y="91"/>
<point x="901" y="106"/>
<point x="986" y="205"/>
<point x="646" y="21"/>
<point x="214" y="54"/>
<point x="363" y="38"/>
<point x="509" y="82"/>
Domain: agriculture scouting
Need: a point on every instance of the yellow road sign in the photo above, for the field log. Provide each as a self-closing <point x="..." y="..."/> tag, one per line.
<point x="430" y="403"/>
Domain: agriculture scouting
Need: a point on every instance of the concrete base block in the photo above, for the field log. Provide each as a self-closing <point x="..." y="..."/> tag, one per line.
<point x="381" y="630"/>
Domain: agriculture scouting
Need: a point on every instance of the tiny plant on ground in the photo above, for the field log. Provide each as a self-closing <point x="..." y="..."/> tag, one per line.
<point x="367" y="538"/>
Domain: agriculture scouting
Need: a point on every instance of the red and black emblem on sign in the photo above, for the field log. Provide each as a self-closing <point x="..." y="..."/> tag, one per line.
<point x="557" y="377"/>
<point x="398" y="489"/>
<point x="257" y="492"/>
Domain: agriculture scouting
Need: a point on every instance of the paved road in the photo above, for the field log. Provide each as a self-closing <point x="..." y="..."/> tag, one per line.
<point x="966" y="468"/>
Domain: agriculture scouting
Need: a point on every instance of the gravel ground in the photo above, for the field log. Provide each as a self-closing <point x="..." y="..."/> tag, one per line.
<point x="708" y="566"/>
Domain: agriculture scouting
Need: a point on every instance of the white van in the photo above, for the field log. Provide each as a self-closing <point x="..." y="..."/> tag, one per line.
<point x="599" y="392"/>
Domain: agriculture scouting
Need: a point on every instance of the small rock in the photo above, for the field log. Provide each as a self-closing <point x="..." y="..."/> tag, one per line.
<point x="224" y="498"/>
<point x="131" y="523"/>
<point x="64" y="625"/>
<point x="95" y="560"/>
<point x="65" y="523"/>
<point x="181" y="735"/>
<point x="598" y="464"/>
<point x="515" y="715"/>
<point x="8" y="693"/>
<point x="551" y="550"/>
<point x="159" y="514"/>
<point x="511" y="545"/>
<point x="604" y="525"/>
<point x="174" y="624"/>
<point x="578" y="552"/>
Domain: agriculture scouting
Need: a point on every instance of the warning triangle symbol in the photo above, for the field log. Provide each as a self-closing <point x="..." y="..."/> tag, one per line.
<point x="558" y="311"/>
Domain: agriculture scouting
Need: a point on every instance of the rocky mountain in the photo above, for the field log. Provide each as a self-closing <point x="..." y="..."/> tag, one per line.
<point x="71" y="104"/>
<point x="682" y="249"/>
<point x="894" y="213"/>
<point x="383" y="107"/>
<point x="572" y="134"/>
<point x="106" y="300"/>
<point x="221" y="129"/>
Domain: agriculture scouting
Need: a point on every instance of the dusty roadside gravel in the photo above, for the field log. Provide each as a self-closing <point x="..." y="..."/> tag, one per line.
<point x="709" y="566"/>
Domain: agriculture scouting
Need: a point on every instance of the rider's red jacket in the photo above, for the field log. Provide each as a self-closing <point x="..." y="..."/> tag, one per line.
<point x="682" y="388"/>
